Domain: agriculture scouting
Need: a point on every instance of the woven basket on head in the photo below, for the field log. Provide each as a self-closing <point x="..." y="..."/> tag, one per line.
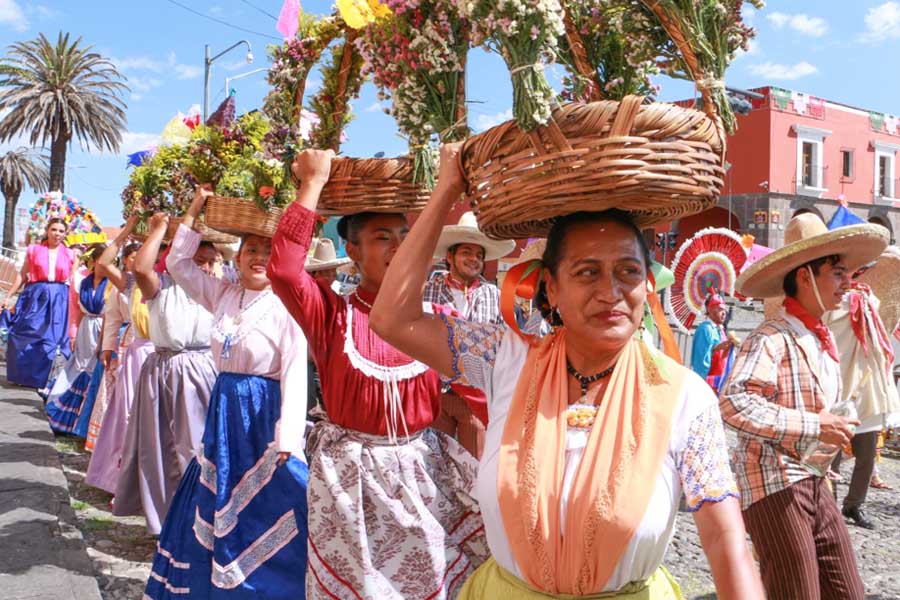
<point x="239" y="216"/>
<point x="372" y="185"/>
<point x="209" y="234"/>
<point x="657" y="161"/>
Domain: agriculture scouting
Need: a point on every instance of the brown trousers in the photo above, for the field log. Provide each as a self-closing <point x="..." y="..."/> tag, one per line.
<point x="865" y="446"/>
<point x="457" y="421"/>
<point x="803" y="544"/>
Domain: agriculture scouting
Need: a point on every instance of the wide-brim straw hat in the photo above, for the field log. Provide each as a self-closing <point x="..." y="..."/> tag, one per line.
<point x="467" y="232"/>
<point x="324" y="257"/>
<point x="533" y="251"/>
<point x="806" y="238"/>
<point x="884" y="279"/>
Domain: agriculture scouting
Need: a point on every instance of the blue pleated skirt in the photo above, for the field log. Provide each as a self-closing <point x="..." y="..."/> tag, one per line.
<point x="37" y="331"/>
<point x="69" y="397"/>
<point x="236" y="528"/>
<point x="87" y="407"/>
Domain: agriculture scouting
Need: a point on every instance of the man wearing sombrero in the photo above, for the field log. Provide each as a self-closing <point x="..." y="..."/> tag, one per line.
<point x="782" y="386"/>
<point x="862" y="327"/>
<point x="466" y="250"/>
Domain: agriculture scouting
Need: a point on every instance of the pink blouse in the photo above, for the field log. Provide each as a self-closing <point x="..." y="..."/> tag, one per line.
<point x="362" y="376"/>
<point x="252" y="334"/>
<point x="39" y="263"/>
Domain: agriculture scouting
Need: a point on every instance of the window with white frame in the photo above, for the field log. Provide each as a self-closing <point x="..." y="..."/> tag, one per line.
<point x="810" y="164"/>
<point x="885" y="170"/>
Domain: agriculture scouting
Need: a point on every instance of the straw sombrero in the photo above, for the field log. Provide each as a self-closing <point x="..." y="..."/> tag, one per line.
<point x="324" y="257"/>
<point x="806" y="238"/>
<point x="533" y="251"/>
<point x="467" y="232"/>
<point x="885" y="283"/>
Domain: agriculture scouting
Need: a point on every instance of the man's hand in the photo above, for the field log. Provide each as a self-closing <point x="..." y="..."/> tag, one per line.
<point x="723" y="346"/>
<point x="312" y="167"/>
<point x="835" y="430"/>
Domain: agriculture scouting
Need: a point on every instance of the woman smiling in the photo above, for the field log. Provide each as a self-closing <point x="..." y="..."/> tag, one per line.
<point x="592" y="435"/>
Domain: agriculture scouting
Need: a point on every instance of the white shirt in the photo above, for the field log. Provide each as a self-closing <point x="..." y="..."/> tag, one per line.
<point x="696" y="425"/>
<point x="176" y="321"/>
<point x="51" y="263"/>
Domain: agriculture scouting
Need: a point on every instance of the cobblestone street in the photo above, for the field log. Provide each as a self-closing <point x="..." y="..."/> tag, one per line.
<point x="121" y="550"/>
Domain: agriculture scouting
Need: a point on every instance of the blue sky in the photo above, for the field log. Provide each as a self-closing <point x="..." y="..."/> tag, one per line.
<point x="834" y="49"/>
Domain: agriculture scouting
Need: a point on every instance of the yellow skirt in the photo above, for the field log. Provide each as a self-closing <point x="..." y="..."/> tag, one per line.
<point x="491" y="581"/>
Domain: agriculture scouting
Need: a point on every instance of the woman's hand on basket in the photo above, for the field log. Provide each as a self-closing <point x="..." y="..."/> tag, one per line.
<point x="450" y="176"/>
<point x="201" y="194"/>
<point x="313" y="167"/>
<point x="159" y="220"/>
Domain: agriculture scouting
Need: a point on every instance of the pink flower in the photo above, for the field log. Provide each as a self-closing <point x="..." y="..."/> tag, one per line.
<point x="535" y="32"/>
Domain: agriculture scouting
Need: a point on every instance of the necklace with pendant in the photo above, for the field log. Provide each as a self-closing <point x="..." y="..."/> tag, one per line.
<point x="582" y="415"/>
<point x="232" y="336"/>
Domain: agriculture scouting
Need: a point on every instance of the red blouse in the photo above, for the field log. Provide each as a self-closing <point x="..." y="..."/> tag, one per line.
<point x="352" y="398"/>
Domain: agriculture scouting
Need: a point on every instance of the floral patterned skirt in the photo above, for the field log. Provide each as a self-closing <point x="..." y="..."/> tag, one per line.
<point x="390" y="521"/>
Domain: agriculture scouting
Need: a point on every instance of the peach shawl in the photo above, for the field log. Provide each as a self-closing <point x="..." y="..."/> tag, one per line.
<point x="613" y="483"/>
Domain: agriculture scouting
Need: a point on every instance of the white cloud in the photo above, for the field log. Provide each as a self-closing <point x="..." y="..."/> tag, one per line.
<point x="483" y="122"/>
<point x="768" y="70"/>
<point x="137" y="97"/>
<point x="11" y="14"/>
<point x="137" y="63"/>
<point x="882" y="22"/>
<point x="215" y="10"/>
<point x="135" y="141"/>
<point x="748" y="14"/>
<point x="45" y="12"/>
<point x="143" y="84"/>
<point x="802" y="23"/>
<point x="188" y="71"/>
<point x="375" y="107"/>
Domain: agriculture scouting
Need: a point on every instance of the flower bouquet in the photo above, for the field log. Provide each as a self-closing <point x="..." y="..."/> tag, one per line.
<point x="416" y="55"/>
<point x="611" y="47"/>
<point x="526" y="34"/>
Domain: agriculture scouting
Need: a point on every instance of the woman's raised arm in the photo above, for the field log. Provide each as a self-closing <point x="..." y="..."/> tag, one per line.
<point x="397" y="315"/>
<point x="106" y="264"/>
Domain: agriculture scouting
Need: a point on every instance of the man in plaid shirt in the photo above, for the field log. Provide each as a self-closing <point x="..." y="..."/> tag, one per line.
<point x="778" y="397"/>
<point x="466" y="249"/>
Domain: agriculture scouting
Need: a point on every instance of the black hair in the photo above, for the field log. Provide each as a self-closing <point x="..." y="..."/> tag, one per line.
<point x="93" y="252"/>
<point x="206" y="244"/>
<point x="452" y="249"/>
<point x="789" y="285"/>
<point x="553" y="253"/>
<point x="54" y="221"/>
<point x="350" y="225"/>
<point x="130" y="249"/>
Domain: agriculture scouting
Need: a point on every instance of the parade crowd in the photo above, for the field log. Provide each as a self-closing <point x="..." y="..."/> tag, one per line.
<point x="421" y="433"/>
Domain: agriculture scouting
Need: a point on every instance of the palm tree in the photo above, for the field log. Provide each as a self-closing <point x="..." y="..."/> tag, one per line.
<point x="55" y="93"/>
<point x="18" y="168"/>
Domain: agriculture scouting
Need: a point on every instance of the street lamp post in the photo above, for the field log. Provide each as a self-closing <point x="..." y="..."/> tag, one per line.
<point x="207" y="65"/>
<point x="228" y="80"/>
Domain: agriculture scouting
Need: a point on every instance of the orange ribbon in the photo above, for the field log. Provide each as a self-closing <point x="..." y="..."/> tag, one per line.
<point x="522" y="281"/>
<point x="670" y="346"/>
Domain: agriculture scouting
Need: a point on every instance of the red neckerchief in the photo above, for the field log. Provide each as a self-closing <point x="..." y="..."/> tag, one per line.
<point x="160" y="266"/>
<point x="816" y="326"/>
<point x="858" y="321"/>
<point x="456" y="284"/>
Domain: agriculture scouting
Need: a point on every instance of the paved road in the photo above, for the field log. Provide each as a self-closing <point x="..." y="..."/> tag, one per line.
<point x="42" y="551"/>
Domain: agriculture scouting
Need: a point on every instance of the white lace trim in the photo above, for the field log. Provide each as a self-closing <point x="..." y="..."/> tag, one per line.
<point x="389" y="376"/>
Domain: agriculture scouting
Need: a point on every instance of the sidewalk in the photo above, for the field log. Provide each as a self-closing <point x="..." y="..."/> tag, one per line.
<point x="42" y="552"/>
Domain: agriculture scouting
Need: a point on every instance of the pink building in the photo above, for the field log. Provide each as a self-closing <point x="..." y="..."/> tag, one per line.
<point x="795" y="152"/>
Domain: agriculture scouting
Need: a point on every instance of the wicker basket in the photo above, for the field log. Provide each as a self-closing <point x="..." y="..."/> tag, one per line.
<point x="239" y="216"/>
<point x="658" y="161"/>
<point x="372" y="185"/>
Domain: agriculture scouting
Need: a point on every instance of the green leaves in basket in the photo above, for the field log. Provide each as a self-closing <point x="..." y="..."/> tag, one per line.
<point x="265" y="181"/>
<point x="416" y="58"/>
<point x="159" y="184"/>
<point x="525" y="33"/>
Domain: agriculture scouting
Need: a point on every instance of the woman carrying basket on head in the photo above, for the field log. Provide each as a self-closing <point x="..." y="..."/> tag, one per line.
<point x="390" y="510"/>
<point x="39" y="329"/>
<point x="592" y="434"/>
<point x="237" y="525"/>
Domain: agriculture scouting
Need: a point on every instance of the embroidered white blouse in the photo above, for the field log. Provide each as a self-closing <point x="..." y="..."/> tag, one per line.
<point x="491" y="358"/>
<point x="176" y="321"/>
<point x="259" y="339"/>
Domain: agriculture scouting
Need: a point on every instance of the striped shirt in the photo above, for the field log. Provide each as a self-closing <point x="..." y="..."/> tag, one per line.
<point x="772" y="398"/>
